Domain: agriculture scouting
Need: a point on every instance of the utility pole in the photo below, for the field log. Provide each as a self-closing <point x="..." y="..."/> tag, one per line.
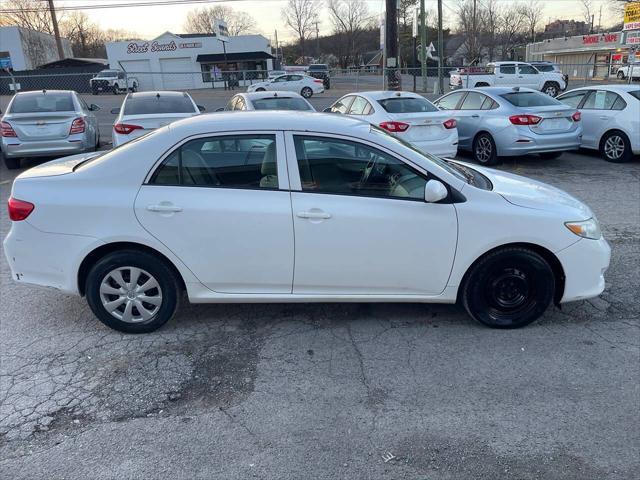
<point x="278" y="62"/>
<point x="600" y="19"/>
<point x="440" y="50"/>
<point x="423" y="50"/>
<point x="317" y="42"/>
<point x="475" y="30"/>
<point x="56" y="30"/>
<point x="391" y="42"/>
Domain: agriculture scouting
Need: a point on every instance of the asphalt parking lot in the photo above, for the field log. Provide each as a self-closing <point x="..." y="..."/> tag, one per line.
<point x="326" y="391"/>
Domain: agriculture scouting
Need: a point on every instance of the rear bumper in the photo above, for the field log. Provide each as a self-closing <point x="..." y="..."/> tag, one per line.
<point x="16" y="148"/>
<point x="584" y="263"/>
<point x="447" y="147"/>
<point x="515" y="140"/>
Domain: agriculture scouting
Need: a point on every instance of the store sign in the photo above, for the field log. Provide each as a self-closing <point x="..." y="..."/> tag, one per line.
<point x="632" y="38"/>
<point x="156" y="46"/>
<point x="632" y="16"/>
<point x="597" y="39"/>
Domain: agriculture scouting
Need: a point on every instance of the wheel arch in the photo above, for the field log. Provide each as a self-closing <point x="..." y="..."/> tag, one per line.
<point x="548" y="255"/>
<point x="96" y="254"/>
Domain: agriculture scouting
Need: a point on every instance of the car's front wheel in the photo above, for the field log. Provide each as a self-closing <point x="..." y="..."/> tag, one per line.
<point x="621" y="75"/>
<point x="551" y="88"/>
<point x="132" y="291"/>
<point x="306" y="92"/>
<point x="116" y="89"/>
<point x="484" y="150"/>
<point x="508" y="288"/>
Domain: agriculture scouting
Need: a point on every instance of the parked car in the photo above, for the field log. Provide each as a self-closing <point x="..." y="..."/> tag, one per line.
<point x="508" y="74"/>
<point x="630" y="69"/>
<point x="610" y="119"/>
<point x="546" y="67"/>
<point x="405" y="114"/>
<point x="496" y="122"/>
<point x="321" y="71"/>
<point x="303" y="84"/>
<point x="145" y="111"/>
<point x="371" y="218"/>
<point x="47" y="123"/>
<point x="114" y="81"/>
<point x="268" y="101"/>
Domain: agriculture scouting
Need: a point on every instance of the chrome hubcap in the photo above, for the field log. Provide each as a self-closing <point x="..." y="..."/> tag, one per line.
<point x="551" y="91"/>
<point x="483" y="149"/>
<point x="614" y="147"/>
<point x="130" y="294"/>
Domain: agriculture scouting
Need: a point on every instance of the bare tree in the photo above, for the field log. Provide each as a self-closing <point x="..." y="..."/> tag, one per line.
<point x="532" y="12"/>
<point x="202" y="20"/>
<point x="511" y="28"/>
<point x="32" y="14"/>
<point x="349" y="18"/>
<point x="588" y="11"/>
<point x="491" y="17"/>
<point x="300" y="16"/>
<point x="471" y="20"/>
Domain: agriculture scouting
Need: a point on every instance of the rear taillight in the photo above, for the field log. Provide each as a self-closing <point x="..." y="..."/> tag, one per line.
<point x="6" y="130"/>
<point x="19" y="209"/>
<point x="449" y="124"/>
<point x="576" y="116"/>
<point x="318" y="80"/>
<point x="125" y="128"/>
<point x="394" y="126"/>
<point x="525" y="119"/>
<point x="77" y="126"/>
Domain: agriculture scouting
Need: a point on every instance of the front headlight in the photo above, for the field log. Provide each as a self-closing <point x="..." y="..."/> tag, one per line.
<point x="585" y="229"/>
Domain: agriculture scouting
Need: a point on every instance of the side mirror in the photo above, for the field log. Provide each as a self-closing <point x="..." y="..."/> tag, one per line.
<point x="201" y="108"/>
<point x="221" y="109"/>
<point x="93" y="107"/>
<point x="434" y="191"/>
<point x="115" y="111"/>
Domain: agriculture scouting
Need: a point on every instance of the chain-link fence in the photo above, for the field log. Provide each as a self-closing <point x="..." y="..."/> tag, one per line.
<point x="348" y="80"/>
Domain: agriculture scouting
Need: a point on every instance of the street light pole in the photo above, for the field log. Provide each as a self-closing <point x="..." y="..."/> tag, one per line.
<point x="391" y="42"/>
<point x="440" y="50"/>
<point x="56" y="30"/>
<point x="423" y="50"/>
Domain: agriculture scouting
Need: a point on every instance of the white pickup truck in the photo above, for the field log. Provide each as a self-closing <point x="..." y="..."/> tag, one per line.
<point x="630" y="69"/>
<point x="113" y="81"/>
<point x="508" y="74"/>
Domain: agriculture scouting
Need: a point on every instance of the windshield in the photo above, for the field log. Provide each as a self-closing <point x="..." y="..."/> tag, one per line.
<point x="108" y="73"/>
<point x="431" y="158"/>
<point x="530" y="99"/>
<point x="281" y="103"/>
<point x="147" y="104"/>
<point x="635" y="93"/>
<point x="41" y="103"/>
<point x="407" y="105"/>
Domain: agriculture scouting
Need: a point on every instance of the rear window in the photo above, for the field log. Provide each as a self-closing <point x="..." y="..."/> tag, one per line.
<point x="407" y="105"/>
<point x="281" y="103"/>
<point x="41" y="103"/>
<point x="530" y="99"/>
<point x="544" y="68"/>
<point x="635" y="93"/>
<point x="158" y="104"/>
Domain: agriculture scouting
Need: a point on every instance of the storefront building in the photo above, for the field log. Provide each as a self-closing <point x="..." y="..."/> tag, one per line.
<point x="584" y="56"/>
<point x="190" y="61"/>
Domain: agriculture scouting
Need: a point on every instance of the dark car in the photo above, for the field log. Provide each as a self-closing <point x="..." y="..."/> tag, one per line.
<point x="320" y="70"/>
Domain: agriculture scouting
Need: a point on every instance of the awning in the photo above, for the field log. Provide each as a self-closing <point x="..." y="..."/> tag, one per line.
<point x="232" y="57"/>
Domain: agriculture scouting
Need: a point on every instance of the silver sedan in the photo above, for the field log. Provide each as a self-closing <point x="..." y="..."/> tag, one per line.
<point x="47" y="123"/>
<point x="499" y="122"/>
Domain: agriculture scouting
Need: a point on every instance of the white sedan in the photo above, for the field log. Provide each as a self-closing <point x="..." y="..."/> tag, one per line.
<point x="267" y="101"/>
<point x="408" y="115"/>
<point x="213" y="206"/>
<point x="303" y="84"/>
<point x="610" y="119"/>
<point x="143" y="112"/>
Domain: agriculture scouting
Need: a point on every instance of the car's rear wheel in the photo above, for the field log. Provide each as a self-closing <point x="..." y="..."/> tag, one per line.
<point x="306" y="92"/>
<point x="550" y="155"/>
<point x="116" y="89"/>
<point x="11" y="163"/>
<point x="551" y="88"/>
<point x="132" y="291"/>
<point x="615" y="147"/>
<point x="508" y="288"/>
<point x="481" y="84"/>
<point x="260" y="89"/>
<point x="134" y="88"/>
<point x="484" y="149"/>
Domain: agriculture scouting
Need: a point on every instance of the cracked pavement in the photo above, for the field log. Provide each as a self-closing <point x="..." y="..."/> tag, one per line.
<point x="328" y="391"/>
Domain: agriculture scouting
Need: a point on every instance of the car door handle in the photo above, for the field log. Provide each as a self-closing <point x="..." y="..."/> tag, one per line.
<point x="164" y="208"/>
<point x="321" y="215"/>
<point x="475" y="116"/>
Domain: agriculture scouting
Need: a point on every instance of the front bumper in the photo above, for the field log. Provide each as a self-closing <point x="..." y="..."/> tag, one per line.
<point x="514" y="140"/>
<point x="584" y="263"/>
<point x="15" y="148"/>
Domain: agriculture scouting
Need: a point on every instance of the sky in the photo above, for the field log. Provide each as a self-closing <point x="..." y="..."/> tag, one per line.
<point x="149" y="22"/>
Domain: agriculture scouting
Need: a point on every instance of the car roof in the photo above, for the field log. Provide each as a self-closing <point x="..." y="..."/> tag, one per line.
<point x="376" y="95"/>
<point x="270" y="120"/>
<point x="259" y="95"/>
<point x="40" y="92"/>
<point x="496" y="90"/>
<point x="161" y="93"/>
<point x="613" y="88"/>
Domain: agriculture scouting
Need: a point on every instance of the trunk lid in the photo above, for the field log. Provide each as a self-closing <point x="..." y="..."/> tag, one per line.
<point x="151" y="122"/>
<point x="555" y="119"/>
<point x="60" y="166"/>
<point x="41" y="126"/>
<point x="423" y="126"/>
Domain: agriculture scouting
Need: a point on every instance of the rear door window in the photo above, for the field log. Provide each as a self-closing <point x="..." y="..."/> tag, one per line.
<point x="473" y="101"/>
<point x="602" y="100"/>
<point x="509" y="69"/>
<point x="342" y="106"/>
<point x="152" y="104"/>
<point x="42" y="103"/>
<point x="358" y="106"/>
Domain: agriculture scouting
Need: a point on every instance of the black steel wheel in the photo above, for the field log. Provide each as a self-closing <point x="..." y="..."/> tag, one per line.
<point x="484" y="149"/>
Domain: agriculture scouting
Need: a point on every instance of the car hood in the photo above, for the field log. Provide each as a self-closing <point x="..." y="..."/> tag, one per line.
<point x="528" y="193"/>
<point x="60" y="166"/>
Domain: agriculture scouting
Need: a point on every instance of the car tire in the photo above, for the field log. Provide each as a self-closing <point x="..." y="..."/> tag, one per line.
<point x="116" y="89"/>
<point x="550" y="155"/>
<point x="508" y="288"/>
<point x="122" y="306"/>
<point x="11" y="163"/>
<point x="620" y="75"/>
<point x="481" y="84"/>
<point x="134" y="88"/>
<point x="551" y="88"/>
<point x="260" y="89"/>
<point x="95" y="91"/>
<point x="484" y="149"/>
<point x="615" y="147"/>
<point x="306" y="92"/>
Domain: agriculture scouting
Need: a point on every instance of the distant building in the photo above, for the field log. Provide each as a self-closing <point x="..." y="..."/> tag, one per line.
<point x="565" y="28"/>
<point x="26" y="49"/>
